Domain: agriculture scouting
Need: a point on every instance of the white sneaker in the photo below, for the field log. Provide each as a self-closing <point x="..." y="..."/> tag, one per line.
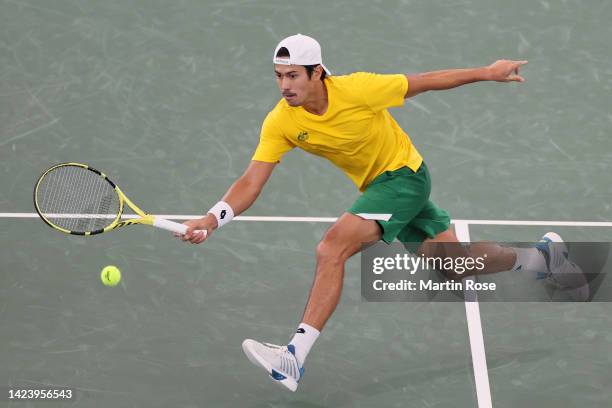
<point x="562" y="273"/>
<point x="279" y="361"/>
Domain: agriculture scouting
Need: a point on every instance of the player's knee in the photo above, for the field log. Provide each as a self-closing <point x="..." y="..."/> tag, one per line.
<point x="485" y="249"/>
<point x="330" y="251"/>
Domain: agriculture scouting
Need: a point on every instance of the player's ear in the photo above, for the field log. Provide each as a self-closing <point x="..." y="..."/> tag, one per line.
<point x="317" y="72"/>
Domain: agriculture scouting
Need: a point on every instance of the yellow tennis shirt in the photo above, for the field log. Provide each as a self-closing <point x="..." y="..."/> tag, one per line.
<point x="356" y="133"/>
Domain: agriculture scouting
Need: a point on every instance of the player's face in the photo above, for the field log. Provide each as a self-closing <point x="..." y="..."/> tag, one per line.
<point x="293" y="82"/>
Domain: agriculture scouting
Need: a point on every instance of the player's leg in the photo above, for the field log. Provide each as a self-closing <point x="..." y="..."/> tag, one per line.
<point x="548" y="259"/>
<point x="341" y="241"/>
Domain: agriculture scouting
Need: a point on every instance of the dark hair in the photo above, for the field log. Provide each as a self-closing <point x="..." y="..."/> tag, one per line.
<point x="283" y="52"/>
<point x="310" y="69"/>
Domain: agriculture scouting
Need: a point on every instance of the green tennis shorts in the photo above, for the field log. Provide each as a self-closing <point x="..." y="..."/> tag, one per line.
<point x="399" y="201"/>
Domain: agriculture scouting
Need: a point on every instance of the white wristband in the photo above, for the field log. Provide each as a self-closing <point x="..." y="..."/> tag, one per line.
<point x="222" y="212"/>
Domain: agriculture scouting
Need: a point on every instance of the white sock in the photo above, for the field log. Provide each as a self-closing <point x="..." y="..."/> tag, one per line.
<point x="302" y="340"/>
<point x="529" y="259"/>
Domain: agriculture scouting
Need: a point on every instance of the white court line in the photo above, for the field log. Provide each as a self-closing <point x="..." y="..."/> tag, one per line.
<point x="333" y="219"/>
<point x="176" y="217"/>
<point x="472" y="311"/>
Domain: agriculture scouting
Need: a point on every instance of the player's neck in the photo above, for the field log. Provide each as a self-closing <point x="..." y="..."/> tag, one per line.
<point x="317" y="104"/>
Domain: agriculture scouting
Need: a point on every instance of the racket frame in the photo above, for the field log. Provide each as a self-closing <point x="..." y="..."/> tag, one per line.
<point x="145" y="219"/>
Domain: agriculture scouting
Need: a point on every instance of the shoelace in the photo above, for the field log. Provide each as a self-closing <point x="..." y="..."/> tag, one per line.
<point x="293" y="367"/>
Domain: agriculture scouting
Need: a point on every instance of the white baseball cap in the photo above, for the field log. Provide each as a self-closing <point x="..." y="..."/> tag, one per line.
<point x="303" y="50"/>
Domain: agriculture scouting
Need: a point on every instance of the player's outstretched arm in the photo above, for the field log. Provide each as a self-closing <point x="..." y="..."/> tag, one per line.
<point x="500" y="71"/>
<point x="240" y="196"/>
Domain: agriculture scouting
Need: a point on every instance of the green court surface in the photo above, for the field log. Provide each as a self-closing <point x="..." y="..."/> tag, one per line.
<point x="167" y="98"/>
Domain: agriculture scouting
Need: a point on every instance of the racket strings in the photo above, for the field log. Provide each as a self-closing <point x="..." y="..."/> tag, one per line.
<point x="77" y="199"/>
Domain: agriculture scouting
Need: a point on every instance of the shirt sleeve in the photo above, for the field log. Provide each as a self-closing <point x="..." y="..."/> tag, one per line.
<point x="382" y="91"/>
<point x="272" y="143"/>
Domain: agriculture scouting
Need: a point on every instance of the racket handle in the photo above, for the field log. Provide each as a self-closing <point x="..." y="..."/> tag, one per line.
<point x="172" y="226"/>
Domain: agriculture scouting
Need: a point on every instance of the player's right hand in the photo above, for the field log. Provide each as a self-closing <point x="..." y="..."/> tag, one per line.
<point x="207" y="223"/>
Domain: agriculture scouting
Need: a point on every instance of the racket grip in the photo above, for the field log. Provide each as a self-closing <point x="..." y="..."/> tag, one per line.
<point x="172" y="226"/>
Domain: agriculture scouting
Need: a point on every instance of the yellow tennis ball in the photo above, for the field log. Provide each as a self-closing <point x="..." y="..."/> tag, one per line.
<point x="110" y="275"/>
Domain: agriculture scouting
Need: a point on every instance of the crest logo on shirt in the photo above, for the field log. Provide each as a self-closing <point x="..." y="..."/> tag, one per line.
<point x="302" y="136"/>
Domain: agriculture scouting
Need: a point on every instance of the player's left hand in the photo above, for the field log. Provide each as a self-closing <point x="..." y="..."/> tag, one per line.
<point x="506" y="71"/>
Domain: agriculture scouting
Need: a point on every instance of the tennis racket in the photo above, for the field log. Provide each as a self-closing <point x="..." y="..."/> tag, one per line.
<point x="80" y="200"/>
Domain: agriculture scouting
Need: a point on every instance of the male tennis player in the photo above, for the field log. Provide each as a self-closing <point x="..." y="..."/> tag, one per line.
<point x="345" y="120"/>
